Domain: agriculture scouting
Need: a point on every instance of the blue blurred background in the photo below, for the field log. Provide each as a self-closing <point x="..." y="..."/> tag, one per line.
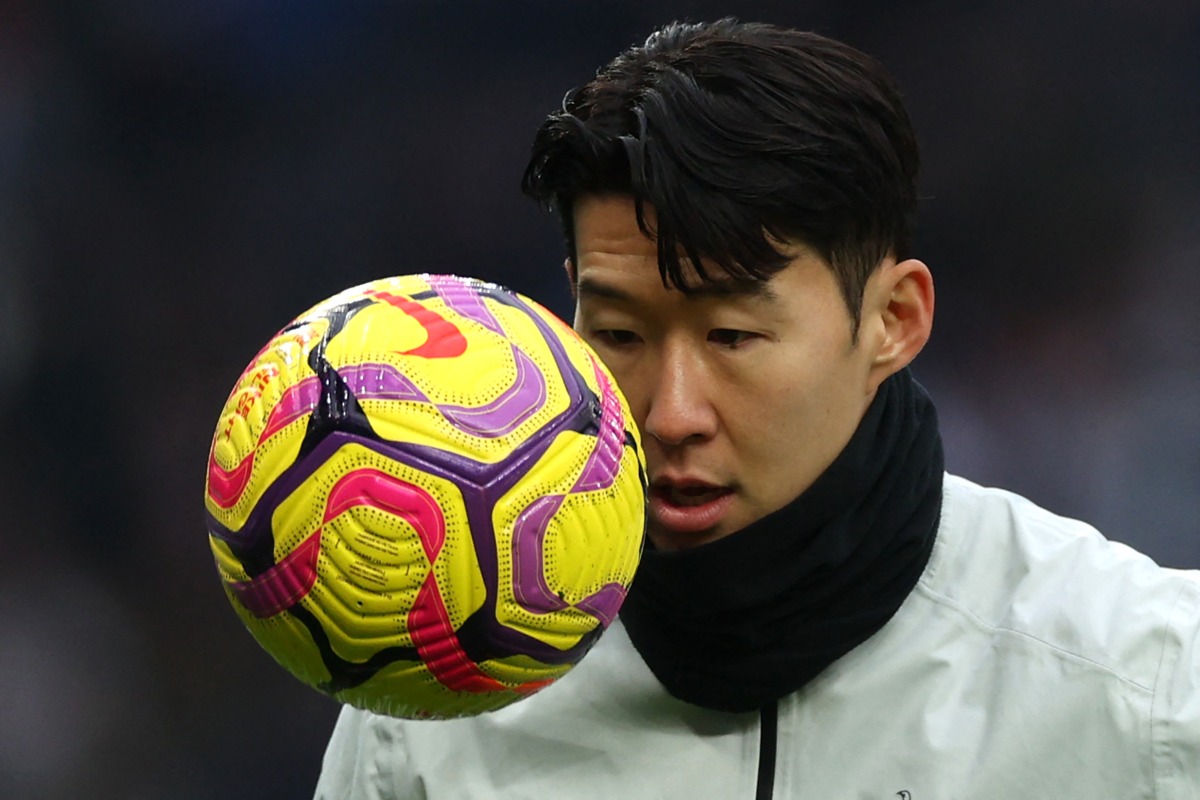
<point x="178" y="179"/>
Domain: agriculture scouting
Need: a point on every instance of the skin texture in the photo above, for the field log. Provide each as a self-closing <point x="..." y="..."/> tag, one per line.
<point x="744" y="393"/>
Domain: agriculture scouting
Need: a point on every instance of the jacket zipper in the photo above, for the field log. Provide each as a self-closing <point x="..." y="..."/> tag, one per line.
<point x="768" y="732"/>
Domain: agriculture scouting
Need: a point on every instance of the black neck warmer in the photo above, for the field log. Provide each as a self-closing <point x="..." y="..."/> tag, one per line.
<point x="740" y="622"/>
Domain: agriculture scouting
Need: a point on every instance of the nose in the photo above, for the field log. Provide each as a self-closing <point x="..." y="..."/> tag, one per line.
<point x="680" y="410"/>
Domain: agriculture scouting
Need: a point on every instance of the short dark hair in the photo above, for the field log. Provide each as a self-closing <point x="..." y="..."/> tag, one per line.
<point x="733" y="130"/>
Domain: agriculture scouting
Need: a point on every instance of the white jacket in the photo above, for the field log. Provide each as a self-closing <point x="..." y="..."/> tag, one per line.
<point x="1034" y="659"/>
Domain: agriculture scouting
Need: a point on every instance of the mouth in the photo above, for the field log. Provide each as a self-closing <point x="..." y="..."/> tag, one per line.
<point x="688" y="495"/>
<point x="688" y="506"/>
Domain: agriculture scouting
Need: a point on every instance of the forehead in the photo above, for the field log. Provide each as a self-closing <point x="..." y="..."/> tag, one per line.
<point x="608" y="285"/>
<point x="611" y="250"/>
<point x="606" y="230"/>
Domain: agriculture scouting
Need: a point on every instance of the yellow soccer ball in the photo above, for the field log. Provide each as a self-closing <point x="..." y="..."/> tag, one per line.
<point x="426" y="497"/>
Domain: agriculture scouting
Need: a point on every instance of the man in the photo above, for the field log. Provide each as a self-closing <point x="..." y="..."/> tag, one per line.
<point x="821" y="612"/>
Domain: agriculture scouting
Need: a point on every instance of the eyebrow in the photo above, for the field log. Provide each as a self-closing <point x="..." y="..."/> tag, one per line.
<point x="758" y="290"/>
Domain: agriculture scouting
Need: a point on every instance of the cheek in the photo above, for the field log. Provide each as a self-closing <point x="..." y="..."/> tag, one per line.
<point x="772" y="425"/>
<point x="785" y="425"/>
<point x="798" y="426"/>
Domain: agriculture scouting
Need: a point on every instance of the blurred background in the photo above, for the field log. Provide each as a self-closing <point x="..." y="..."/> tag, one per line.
<point x="179" y="179"/>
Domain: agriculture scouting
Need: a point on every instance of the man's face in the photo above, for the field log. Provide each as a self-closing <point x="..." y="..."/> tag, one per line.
<point x="743" y="396"/>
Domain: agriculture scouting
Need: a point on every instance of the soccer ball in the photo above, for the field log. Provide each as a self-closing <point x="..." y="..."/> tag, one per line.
<point x="426" y="497"/>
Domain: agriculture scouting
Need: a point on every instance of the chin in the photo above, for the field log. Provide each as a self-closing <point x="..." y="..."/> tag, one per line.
<point x="674" y="541"/>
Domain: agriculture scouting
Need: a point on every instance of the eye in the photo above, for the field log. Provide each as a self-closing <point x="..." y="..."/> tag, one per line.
<point x="731" y="338"/>
<point x="614" y="337"/>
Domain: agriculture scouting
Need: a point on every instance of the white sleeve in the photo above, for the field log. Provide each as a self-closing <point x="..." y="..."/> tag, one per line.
<point x="366" y="760"/>
<point x="1176" y="712"/>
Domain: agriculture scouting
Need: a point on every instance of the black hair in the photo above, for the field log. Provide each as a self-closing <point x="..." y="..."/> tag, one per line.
<point x="738" y="134"/>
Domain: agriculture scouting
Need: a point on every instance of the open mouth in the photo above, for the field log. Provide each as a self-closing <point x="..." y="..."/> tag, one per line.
<point x="689" y="495"/>
<point x="688" y="508"/>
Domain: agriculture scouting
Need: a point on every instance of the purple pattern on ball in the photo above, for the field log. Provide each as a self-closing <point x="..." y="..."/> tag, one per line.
<point x="376" y="382"/>
<point x="602" y="465"/>
<point x="499" y="417"/>
<point x="462" y="297"/>
<point x="506" y="413"/>
<point x="530" y="588"/>
<point x="604" y="604"/>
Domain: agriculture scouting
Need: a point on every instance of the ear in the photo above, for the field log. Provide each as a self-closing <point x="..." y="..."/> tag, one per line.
<point x="905" y="304"/>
